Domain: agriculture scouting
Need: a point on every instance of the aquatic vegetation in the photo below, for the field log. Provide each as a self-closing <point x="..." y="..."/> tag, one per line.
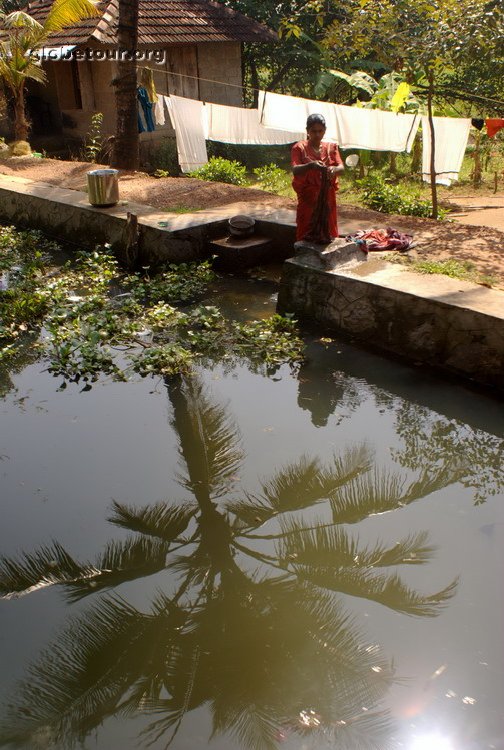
<point x="96" y="320"/>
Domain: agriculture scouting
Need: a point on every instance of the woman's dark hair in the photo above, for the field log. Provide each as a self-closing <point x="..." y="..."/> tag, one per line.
<point x="315" y="120"/>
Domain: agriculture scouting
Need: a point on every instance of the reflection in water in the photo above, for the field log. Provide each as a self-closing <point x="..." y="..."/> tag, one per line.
<point x="429" y="439"/>
<point x="251" y="622"/>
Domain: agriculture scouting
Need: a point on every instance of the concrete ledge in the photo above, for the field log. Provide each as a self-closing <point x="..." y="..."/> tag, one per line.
<point x="446" y="323"/>
<point x="67" y="215"/>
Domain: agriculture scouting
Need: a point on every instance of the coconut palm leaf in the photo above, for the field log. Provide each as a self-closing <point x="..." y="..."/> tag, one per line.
<point x="69" y="12"/>
<point x="80" y="679"/>
<point x="47" y="566"/>
<point x="160" y="520"/>
<point x="255" y="728"/>
<point x="210" y="442"/>
<point x="301" y="485"/>
<point x="119" y="562"/>
<point x="333" y="547"/>
<point x="388" y="590"/>
<point x="380" y="492"/>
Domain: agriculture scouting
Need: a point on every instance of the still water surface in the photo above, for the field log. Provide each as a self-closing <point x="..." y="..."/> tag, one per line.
<point x="306" y="560"/>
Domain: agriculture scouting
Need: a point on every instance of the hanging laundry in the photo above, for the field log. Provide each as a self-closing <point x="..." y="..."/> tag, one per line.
<point x="375" y="129"/>
<point x="147" y="81"/>
<point x="477" y="123"/>
<point x="493" y="125"/>
<point x="237" y="125"/>
<point x="141" y="128"/>
<point x="160" y="108"/>
<point x="450" y="142"/>
<point x="287" y="112"/>
<point x="349" y="127"/>
<point x="189" y="119"/>
<point x="146" y="105"/>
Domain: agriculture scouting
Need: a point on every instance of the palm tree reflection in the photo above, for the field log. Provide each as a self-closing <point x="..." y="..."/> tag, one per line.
<point x="252" y="626"/>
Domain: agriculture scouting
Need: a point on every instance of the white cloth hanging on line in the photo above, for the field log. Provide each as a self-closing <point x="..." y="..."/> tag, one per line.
<point x="290" y="112"/>
<point x="160" y="109"/>
<point x="189" y="120"/>
<point x="450" y="143"/>
<point x="375" y="129"/>
<point x="237" y="125"/>
<point x="349" y="127"/>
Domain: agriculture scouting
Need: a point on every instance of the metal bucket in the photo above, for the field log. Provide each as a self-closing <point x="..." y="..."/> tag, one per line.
<point x="103" y="187"/>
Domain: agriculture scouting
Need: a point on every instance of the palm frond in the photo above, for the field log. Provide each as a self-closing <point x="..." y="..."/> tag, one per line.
<point x="300" y="485"/>
<point x="379" y="492"/>
<point x="119" y="562"/>
<point x="255" y="728"/>
<point x="80" y="679"/>
<point x="160" y="520"/>
<point x="45" y="567"/>
<point x="333" y="547"/>
<point x="210" y="442"/>
<point x="69" y="12"/>
<point x="388" y="590"/>
<point x="18" y="19"/>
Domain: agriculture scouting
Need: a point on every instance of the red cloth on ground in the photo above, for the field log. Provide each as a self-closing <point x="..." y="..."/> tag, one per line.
<point x="493" y="125"/>
<point x="307" y="185"/>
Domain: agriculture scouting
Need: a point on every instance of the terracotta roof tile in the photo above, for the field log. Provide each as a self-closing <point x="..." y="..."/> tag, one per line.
<point x="163" y="23"/>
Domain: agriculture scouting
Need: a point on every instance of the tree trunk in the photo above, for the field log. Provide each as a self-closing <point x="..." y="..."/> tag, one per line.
<point x="20" y="121"/>
<point x="416" y="156"/>
<point x="433" y="185"/>
<point x="126" y="145"/>
<point x="477" y="162"/>
<point x="393" y="163"/>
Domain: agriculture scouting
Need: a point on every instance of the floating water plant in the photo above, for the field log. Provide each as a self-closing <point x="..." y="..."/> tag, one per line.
<point x="95" y="320"/>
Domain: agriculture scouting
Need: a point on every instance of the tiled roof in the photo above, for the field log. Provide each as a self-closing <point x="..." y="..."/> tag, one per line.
<point x="162" y="23"/>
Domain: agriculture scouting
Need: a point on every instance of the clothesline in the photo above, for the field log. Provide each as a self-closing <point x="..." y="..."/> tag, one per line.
<point x="253" y="88"/>
<point x="351" y="127"/>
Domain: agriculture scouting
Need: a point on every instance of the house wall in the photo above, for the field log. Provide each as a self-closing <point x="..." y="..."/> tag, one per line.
<point x="77" y="90"/>
<point x="221" y="61"/>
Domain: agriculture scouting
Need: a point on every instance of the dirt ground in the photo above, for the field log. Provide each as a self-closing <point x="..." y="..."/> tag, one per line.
<point x="475" y="232"/>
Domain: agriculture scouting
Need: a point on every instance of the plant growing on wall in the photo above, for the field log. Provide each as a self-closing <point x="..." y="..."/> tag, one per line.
<point x="23" y="36"/>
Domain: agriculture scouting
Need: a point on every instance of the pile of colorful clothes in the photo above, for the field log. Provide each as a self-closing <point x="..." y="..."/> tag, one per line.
<point x="381" y="239"/>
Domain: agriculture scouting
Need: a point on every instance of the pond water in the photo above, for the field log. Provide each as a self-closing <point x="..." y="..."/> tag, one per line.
<point x="305" y="560"/>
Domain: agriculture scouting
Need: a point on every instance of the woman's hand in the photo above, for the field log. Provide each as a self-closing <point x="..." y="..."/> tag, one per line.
<point x="318" y="165"/>
<point x="335" y="170"/>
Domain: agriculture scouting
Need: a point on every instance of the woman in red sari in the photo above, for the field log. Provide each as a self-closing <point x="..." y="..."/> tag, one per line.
<point x="315" y="165"/>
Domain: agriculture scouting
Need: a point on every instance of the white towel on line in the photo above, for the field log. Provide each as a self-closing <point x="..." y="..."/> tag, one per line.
<point x="349" y="127"/>
<point x="160" y="108"/>
<point x="450" y="143"/>
<point x="237" y="125"/>
<point x="189" y="119"/>
<point x="280" y="111"/>
<point x="375" y="129"/>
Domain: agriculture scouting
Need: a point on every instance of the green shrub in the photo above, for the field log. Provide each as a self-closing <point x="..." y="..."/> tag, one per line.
<point x="252" y="155"/>
<point x="273" y="178"/>
<point x="221" y="170"/>
<point x="381" y="195"/>
<point x="94" y="138"/>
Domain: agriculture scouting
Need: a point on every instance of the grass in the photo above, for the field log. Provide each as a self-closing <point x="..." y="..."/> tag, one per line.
<point x="455" y="269"/>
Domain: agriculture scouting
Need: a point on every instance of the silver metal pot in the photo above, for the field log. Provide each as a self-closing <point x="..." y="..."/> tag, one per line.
<point x="103" y="187"/>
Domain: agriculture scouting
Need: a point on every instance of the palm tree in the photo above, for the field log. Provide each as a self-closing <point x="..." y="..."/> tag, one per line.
<point x="253" y="625"/>
<point x="22" y="36"/>
<point x="125" y="153"/>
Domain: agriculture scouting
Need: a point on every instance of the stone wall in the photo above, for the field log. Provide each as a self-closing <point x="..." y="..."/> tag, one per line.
<point x="446" y="323"/>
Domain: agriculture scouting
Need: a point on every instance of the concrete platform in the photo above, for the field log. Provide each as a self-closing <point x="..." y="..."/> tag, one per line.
<point x="451" y="325"/>
<point x="67" y="215"/>
<point x="235" y="253"/>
